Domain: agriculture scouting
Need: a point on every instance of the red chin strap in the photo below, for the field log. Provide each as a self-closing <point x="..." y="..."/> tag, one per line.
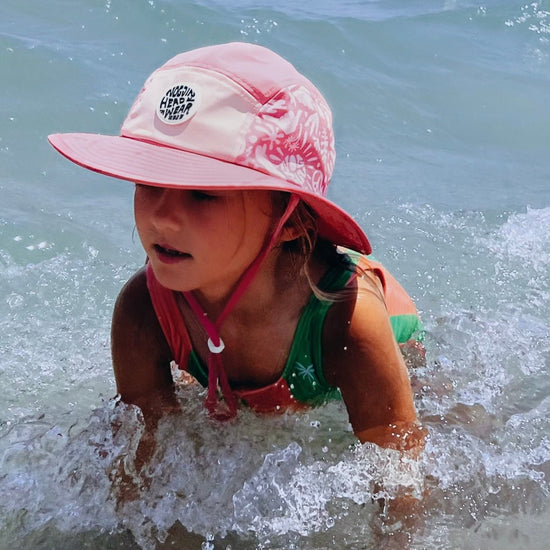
<point x="217" y="377"/>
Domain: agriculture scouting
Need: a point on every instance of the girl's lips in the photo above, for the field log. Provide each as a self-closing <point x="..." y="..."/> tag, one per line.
<point x="170" y="255"/>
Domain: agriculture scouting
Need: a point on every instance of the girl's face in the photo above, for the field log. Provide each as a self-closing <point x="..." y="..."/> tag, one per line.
<point x="201" y="240"/>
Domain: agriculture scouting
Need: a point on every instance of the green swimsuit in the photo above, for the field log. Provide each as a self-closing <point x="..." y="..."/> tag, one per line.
<point x="302" y="382"/>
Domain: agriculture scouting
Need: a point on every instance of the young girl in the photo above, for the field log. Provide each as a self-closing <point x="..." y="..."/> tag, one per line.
<point x="256" y="284"/>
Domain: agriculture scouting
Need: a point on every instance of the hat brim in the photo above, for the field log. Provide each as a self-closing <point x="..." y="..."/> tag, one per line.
<point x="151" y="164"/>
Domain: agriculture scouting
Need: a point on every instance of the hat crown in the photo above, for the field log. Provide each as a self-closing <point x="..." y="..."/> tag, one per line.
<point x="243" y="104"/>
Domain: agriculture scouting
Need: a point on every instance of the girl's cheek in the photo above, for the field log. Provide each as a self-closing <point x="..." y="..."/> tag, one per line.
<point x="143" y="200"/>
<point x="138" y="215"/>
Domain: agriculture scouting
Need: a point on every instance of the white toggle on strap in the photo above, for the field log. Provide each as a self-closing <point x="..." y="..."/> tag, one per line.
<point x="215" y="349"/>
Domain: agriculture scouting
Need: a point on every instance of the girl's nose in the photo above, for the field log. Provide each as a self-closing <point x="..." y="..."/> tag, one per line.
<point x="167" y="210"/>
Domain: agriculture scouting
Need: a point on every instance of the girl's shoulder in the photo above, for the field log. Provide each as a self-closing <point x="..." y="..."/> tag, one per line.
<point x="134" y="316"/>
<point x="134" y="293"/>
<point x="359" y="313"/>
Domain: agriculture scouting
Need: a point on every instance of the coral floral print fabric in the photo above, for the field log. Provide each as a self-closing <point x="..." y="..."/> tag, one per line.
<point x="290" y="137"/>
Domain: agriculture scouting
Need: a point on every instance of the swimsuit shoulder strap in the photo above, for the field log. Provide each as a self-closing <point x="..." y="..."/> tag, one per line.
<point x="170" y="319"/>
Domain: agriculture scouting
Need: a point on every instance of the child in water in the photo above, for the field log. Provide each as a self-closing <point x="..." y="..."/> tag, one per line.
<point x="256" y="284"/>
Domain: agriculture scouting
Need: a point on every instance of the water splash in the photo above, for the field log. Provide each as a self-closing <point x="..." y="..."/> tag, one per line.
<point x="301" y="481"/>
<point x="233" y="480"/>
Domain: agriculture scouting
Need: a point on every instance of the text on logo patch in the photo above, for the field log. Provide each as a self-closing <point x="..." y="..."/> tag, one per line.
<point x="178" y="104"/>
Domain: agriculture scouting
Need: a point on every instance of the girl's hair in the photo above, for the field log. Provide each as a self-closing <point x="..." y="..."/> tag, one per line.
<point x="304" y="220"/>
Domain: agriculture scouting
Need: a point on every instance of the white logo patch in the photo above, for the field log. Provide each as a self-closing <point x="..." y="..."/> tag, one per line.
<point x="178" y="104"/>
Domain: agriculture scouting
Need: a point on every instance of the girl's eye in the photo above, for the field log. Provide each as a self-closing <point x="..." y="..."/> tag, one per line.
<point x="201" y="196"/>
<point x="147" y="188"/>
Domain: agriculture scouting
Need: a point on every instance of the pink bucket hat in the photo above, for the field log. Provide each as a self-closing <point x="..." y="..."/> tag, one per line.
<point x="230" y="116"/>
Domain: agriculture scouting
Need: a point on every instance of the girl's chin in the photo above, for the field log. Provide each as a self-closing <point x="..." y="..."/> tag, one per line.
<point x="169" y="276"/>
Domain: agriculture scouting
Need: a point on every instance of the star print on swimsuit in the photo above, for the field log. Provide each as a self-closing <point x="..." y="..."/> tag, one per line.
<point x="306" y="372"/>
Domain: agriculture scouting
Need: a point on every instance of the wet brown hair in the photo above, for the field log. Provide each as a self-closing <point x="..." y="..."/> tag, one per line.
<point x="301" y="249"/>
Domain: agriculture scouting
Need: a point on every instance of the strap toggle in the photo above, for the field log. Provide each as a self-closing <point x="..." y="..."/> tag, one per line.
<point x="215" y="349"/>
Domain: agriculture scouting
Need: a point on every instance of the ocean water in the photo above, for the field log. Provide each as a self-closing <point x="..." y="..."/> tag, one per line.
<point x="442" y="118"/>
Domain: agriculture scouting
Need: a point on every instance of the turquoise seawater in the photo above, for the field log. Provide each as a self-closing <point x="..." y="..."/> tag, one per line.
<point x="442" y="119"/>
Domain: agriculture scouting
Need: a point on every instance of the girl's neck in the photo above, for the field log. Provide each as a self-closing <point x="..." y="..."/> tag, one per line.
<point x="277" y="277"/>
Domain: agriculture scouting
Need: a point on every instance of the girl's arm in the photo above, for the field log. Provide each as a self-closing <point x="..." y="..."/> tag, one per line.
<point x="141" y="360"/>
<point x="141" y="356"/>
<point x="362" y="358"/>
